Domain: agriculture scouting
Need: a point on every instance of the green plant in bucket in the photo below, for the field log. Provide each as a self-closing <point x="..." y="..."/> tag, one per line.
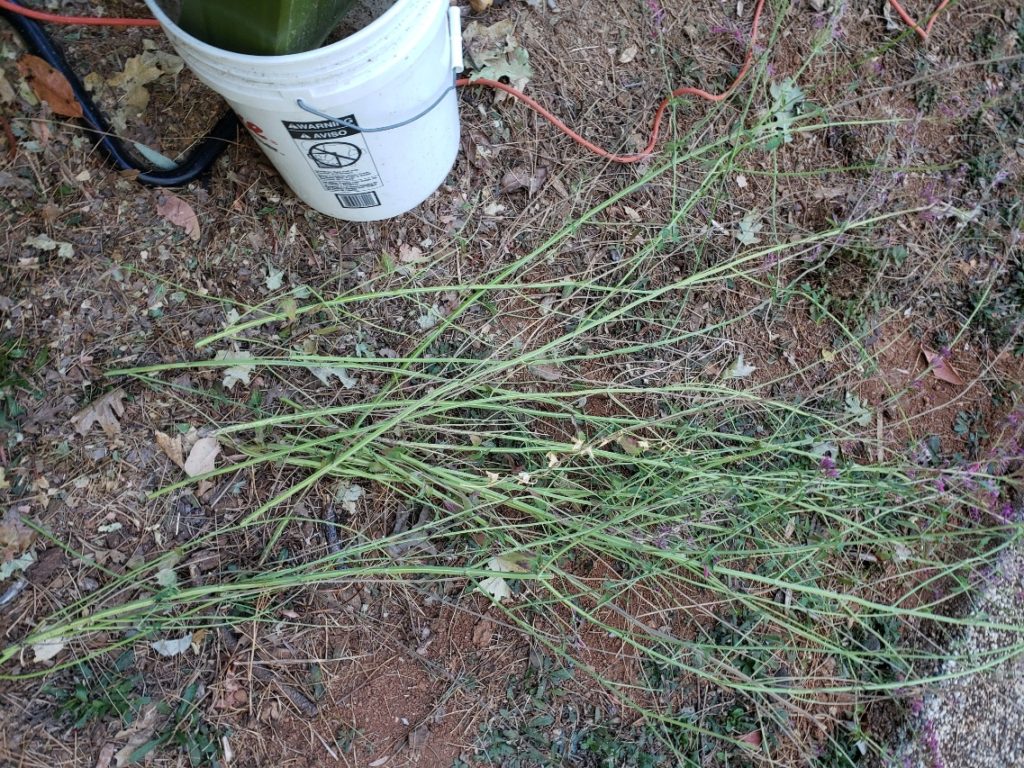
<point x="261" y="27"/>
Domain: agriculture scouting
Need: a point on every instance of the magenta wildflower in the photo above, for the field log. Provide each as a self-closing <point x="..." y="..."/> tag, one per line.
<point x="1006" y="512"/>
<point x="828" y="466"/>
<point x="657" y="17"/>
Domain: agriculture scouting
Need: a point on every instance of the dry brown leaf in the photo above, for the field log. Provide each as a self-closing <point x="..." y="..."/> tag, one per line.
<point x="171" y="446"/>
<point x="106" y="755"/>
<point x="941" y="367"/>
<point x="419" y="736"/>
<point x="410" y="254"/>
<point x="546" y="372"/>
<point x="479" y="6"/>
<point x="753" y="739"/>
<point x="138" y="733"/>
<point x="520" y="178"/>
<point x="15" y="536"/>
<point x="104" y="412"/>
<point x="204" y="560"/>
<point x="628" y="54"/>
<point x="178" y="212"/>
<point x="483" y="632"/>
<point x="202" y="458"/>
<point x="49" y="85"/>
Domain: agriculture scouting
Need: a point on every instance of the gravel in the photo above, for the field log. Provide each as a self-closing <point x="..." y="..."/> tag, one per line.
<point x="977" y="721"/>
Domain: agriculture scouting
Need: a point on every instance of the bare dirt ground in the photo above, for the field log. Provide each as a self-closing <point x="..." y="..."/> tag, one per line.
<point x="386" y="673"/>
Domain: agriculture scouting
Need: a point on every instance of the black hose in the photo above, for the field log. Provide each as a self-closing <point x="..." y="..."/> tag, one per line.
<point x="198" y="160"/>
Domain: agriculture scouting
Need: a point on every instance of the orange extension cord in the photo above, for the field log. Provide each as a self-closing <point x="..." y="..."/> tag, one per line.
<point x="922" y="32"/>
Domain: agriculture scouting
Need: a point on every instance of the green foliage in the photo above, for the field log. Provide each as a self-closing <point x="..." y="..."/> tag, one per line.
<point x="604" y="747"/>
<point x="522" y="733"/>
<point x="99" y="695"/>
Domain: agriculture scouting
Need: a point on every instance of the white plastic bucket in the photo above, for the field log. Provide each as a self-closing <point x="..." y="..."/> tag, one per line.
<point x="387" y="72"/>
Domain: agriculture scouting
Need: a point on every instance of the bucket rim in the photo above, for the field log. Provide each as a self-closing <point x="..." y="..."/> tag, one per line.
<point x="356" y="39"/>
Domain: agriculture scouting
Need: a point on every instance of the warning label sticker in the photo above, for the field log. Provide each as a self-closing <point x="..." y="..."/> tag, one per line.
<point x="339" y="157"/>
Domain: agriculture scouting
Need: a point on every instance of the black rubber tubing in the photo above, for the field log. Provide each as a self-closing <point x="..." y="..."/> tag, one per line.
<point x="199" y="159"/>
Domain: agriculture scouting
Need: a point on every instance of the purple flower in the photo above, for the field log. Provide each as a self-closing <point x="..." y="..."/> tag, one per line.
<point x="940" y="484"/>
<point x="828" y="466"/>
<point x="657" y="17"/>
<point x="1006" y="512"/>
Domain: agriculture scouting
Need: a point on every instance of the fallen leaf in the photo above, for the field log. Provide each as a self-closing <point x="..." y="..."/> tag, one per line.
<point x="349" y="496"/>
<point x="752" y="739"/>
<point x="326" y="373"/>
<point x="229" y="753"/>
<point x="748" y="228"/>
<point x="15" y="536"/>
<point x="739" y="369"/>
<point x="173" y="647"/>
<point x="49" y="85"/>
<point x="204" y="560"/>
<point x="496" y="586"/>
<point x="104" y="412"/>
<point x="546" y="372"/>
<point x="521" y="177"/>
<point x="202" y="458"/>
<point x="892" y="24"/>
<point x="92" y="81"/>
<point x="275" y="278"/>
<point x="862" y="416"/>
<point x="171" y="207"/>
<point x="139" y="734"/>
<point x="483" y="632"/>
<point x="156" y="159"/>
<point x="236" y="373"/>
<point x="7" y="94"/>
<point x="47" y="649"/>
<point x="495" y="52"/>
<point x="9" y="567"/>
<point x="632" y="446"/>
<point x="430" y="318"/>
<point x="628" y="54"/>
<point x="410" y="254"/>
<point x="50" y="562"/>
<point x="106" y="755"/>
<point x="901" y="552"/>
<point x="941" y="367"/>
<point x="419" y="735"/>
<point x="171" y="446"/>
<point x="166" y="577"/>
<point x="479" y="6"/>
<point x="65" y="250"/>
<point x="139" y="71"/>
